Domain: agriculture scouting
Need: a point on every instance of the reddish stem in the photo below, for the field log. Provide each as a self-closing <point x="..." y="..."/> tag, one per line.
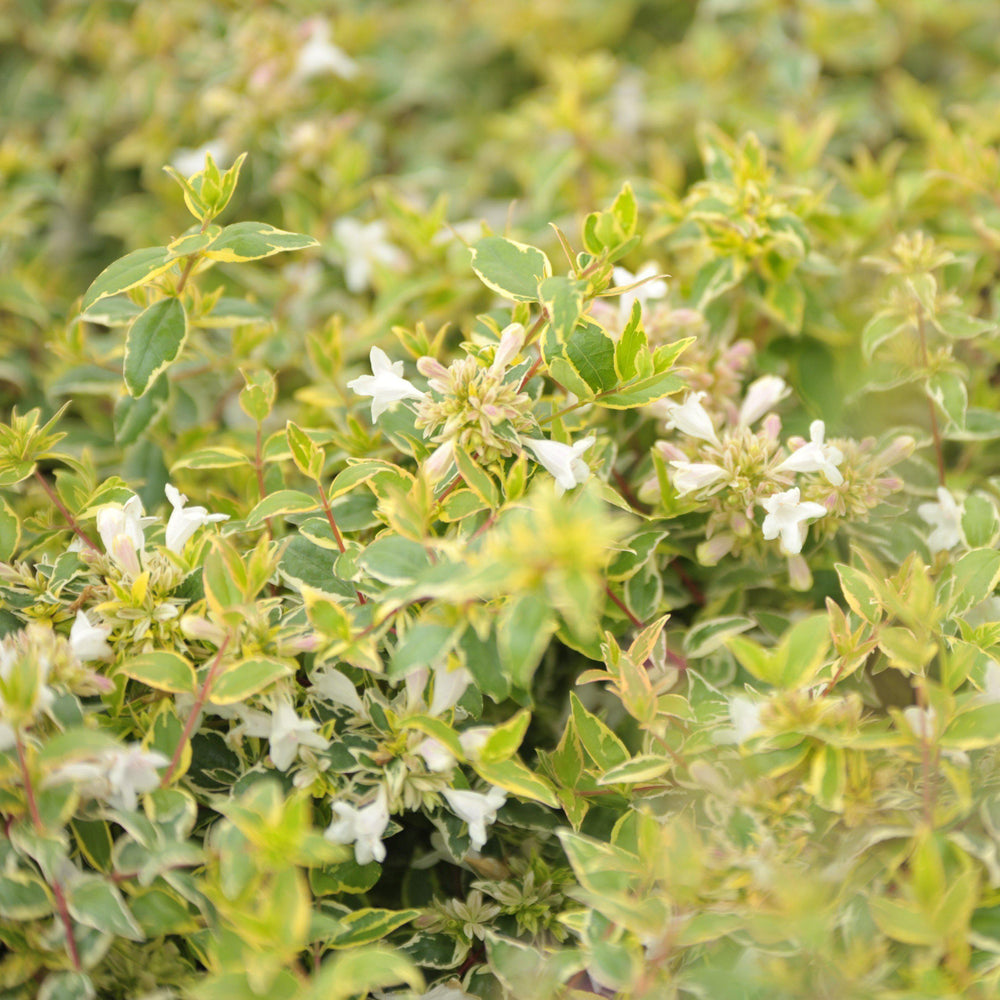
<point x="675" y="658"/>
<point x="336" y="533"/>
<point x="57" y="891"/>
<point x="70" y="520"/>
<point x="195" y="710"/>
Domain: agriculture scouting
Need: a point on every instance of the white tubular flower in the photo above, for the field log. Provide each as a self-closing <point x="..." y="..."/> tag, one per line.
<point x="816" y="456"/>
<point x="472" y="740"/>
<point x="946" y="518"/>
<point x="691" y="417"/>
<point x="319" y="55"/>
<point x="289" y="732"/>
<point x="449" y="686"/>
<point x="563" y="461"/>
<point x="440" y="460"/>
<point x="477" y="809"/>
<point x="89" y="642"/>
<point x="385" y="385"/>
<point x="650" y="291"/>
<point x="511" y="342"/>
<point x="436" y="755"/>
<point x="922" y="721"/>
<point x="786" y="517"/>
<point x="691" y="477"/>
<point x="131" y="772"/>
<point x="331" y="685"/>
<point x="761" y="397"/>
<point x="362" y="827"/>
<point x="364" y="246"/>
<point x="123" y="532"/>
<point x="744" y="713"/>
<point x="185" y="521"/>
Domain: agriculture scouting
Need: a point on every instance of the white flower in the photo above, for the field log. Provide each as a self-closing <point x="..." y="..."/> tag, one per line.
<point x="922" y="721"/>
<point x="761" y="397"/>
<point x="744" y="713"/>
<point x="816" y="456"/>
<point x="477" y="809"/>
<point x="946" y="517"/>
<point x="184" y="522"/>
<point x="319" y="55"/>
<point x="786" y="516"/>
<point x="563" y="461"/>
<point x="364" y="246"/>
<point x="130" y="771"/>
<point x="691" y="477"/>
<point x="440" y="460"/>
<point x="436" y="755"/>
<point x="449" y="686"/>
<point x="363" y="827"/>
<point x="991" y="681"/>
<point x="334" y="686"/>
<point x="691" y="417"/>
<point x="511" y="342"/>
<point x="649" y="291"/>
<point x="188" y="162"/>
<point x="385" y="385"/>
<point x="122" y="530"/>
<point x="289" y="732"/>
<point x="472" y="740"/>
<point x="89" y="642"/>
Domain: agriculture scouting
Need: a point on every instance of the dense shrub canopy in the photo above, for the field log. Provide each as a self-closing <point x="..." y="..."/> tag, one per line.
<point x="510" y="510"/>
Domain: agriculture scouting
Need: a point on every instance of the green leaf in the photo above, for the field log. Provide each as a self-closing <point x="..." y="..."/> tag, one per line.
<point x="976" y="727"/>
<point x="281" y="502"/>
<point x="133" y="416"/>
<point x="510" y="269"/>
<point x="95" y="902"/>
<point x="358" y="972"/>
<point x="23" y="896"/>
<point x="246" y="678"/>
<point x="477" y="478"/>
<point x="154" y="341"/>
<point x="859" y="592"/>
<point x="979" y="521"/>
<point x="67" y="986"/>
<point x="394" y="559"/>
<point x="10" y="531"/>
<point x="708" y="636"/>
<point x="245" y="241"/>
<point x="903" y="923"/>
<point x="948" y="392"/>
<point x="368" y="925"/>
<point x="644" y="767"/>
<point x="504" y="740"/>
<point x="563" y="300"/>
<point x="306" y="454"/>
<point x="523" y="633"/>
<point x="513" y="776"/>
<point x="601" y="744"/>
<point x="162" y="670"/>
<point x="961" y="326"/>
<point x="630" y="343"/>
<point x="135" y="268"/>
<point x="880" y="328"/>
<point x="591" y="352"/>
<point x="641" y="391"/>
<point x="218" y="457"/>
<point x="712" y="279"/>
<point x="976" y="576"/>
<point x="625" y="210"/>
<point x="423" y="643"/>
<point x="348" y="876"/>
